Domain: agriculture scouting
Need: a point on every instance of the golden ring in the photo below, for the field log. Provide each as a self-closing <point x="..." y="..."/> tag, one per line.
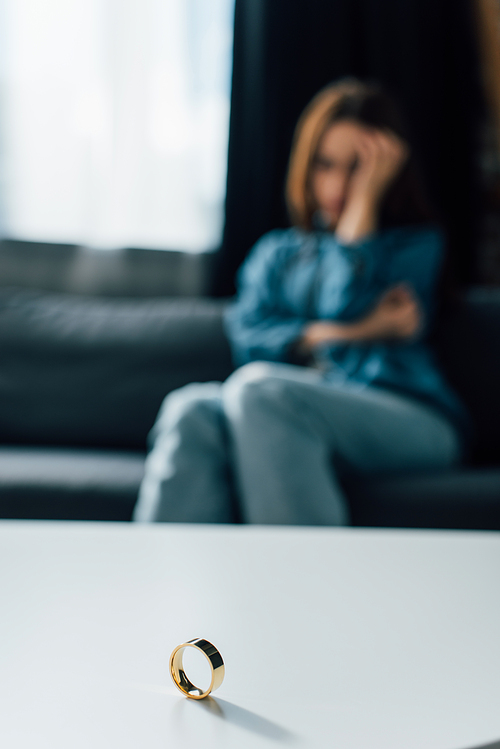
<point x="178" y="674"/>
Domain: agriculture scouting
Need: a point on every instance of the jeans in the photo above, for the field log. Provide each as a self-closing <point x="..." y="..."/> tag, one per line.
<point x="267" y="446"/>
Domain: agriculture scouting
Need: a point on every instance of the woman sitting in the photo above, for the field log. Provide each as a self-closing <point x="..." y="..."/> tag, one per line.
<point x="328" y="330"/>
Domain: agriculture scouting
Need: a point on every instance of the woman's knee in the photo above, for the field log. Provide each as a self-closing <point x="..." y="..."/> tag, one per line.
<point x="188" y="407"/>
<point x="256" y="386"/>
<point x="255" y="371"/>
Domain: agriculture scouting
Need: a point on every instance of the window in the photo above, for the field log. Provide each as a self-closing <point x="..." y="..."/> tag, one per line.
<point x="115" y="121"/>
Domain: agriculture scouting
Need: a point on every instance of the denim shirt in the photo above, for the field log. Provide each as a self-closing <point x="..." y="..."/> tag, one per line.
<point x="292" y="277"/>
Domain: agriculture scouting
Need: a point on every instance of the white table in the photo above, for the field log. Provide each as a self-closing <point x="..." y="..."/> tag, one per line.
<point x="353" y="639"/>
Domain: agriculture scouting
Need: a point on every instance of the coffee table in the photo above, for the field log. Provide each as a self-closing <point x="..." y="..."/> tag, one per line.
<point x="345" y="638"/>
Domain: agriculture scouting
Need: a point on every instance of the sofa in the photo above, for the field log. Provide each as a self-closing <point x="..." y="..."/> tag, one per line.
<point x="82" y="378"/>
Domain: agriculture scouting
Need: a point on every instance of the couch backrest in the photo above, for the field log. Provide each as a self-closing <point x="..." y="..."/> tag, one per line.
<point x="92" y="371"/>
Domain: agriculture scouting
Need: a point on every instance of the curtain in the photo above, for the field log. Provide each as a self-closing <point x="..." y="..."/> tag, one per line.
<point x="423" y="51"/>
<point x="115" y="121"/>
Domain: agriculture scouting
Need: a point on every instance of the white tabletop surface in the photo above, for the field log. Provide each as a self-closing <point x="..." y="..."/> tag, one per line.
<point x="345" y="638"/>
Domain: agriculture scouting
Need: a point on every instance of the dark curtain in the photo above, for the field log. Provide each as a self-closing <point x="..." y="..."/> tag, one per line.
<point x="423" y="51"/>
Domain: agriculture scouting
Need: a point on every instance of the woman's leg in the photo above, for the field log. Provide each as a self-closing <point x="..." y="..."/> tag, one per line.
<point x="287" y="424"/>
<point x="187" y="476"/>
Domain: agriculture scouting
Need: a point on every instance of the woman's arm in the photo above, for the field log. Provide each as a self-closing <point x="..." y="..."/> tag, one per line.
<point x="255" y="323"/>
<point x="396" y="316"/>
<point x="258" y="328"/>
<point x="381" y="156"/>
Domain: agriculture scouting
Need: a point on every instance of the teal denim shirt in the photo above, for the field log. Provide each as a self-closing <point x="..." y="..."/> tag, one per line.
<point x="292" y="277"/>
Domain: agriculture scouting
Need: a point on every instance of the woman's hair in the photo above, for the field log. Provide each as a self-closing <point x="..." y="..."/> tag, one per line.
<point x="405" y="201"/>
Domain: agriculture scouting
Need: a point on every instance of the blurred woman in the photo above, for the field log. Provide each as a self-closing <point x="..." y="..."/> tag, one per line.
<point x="329" y="334"/>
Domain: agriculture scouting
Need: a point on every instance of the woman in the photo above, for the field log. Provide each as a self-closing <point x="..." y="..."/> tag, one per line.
<point x="349" y="292"/>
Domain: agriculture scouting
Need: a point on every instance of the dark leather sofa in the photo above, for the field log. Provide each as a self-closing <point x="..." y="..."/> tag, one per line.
<point x="81" y="380"/>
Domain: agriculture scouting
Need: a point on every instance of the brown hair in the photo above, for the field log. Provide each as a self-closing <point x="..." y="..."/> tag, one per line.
<point x="405" y="201"/>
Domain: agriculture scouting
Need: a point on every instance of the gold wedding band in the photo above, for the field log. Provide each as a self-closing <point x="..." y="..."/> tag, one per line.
<point x="178" y="674"/>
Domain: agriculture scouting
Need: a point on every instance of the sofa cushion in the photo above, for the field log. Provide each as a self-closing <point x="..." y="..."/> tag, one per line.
<point x="93" y="371"/>
<point x="67" y="484"/>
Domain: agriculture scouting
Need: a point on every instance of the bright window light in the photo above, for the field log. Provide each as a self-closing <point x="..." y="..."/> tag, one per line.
<point x="114" y="121"/>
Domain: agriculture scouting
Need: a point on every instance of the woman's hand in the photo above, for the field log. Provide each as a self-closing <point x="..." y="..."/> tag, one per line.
<point x="381" y="156"/>
<point x="396" y="316"/>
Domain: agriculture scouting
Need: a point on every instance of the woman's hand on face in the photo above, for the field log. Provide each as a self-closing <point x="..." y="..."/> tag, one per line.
<point x="381" y="156"/>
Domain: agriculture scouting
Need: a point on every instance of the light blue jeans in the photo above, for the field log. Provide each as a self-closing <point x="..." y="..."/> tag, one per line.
<point x="266" y="446"/>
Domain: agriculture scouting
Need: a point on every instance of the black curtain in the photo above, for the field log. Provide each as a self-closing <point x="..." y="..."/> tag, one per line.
<point x="423" y="51"/>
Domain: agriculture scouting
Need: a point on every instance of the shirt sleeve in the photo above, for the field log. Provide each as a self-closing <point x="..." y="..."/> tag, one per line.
<point x="257" y="325"/>
<point x="416" y="261"/>
<point x="356" y="283"/>
<point x="411" y="256"/>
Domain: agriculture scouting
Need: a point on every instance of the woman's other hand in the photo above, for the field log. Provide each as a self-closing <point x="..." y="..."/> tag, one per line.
<point x="380" y="157"/>
<point x="396" y="316"/>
